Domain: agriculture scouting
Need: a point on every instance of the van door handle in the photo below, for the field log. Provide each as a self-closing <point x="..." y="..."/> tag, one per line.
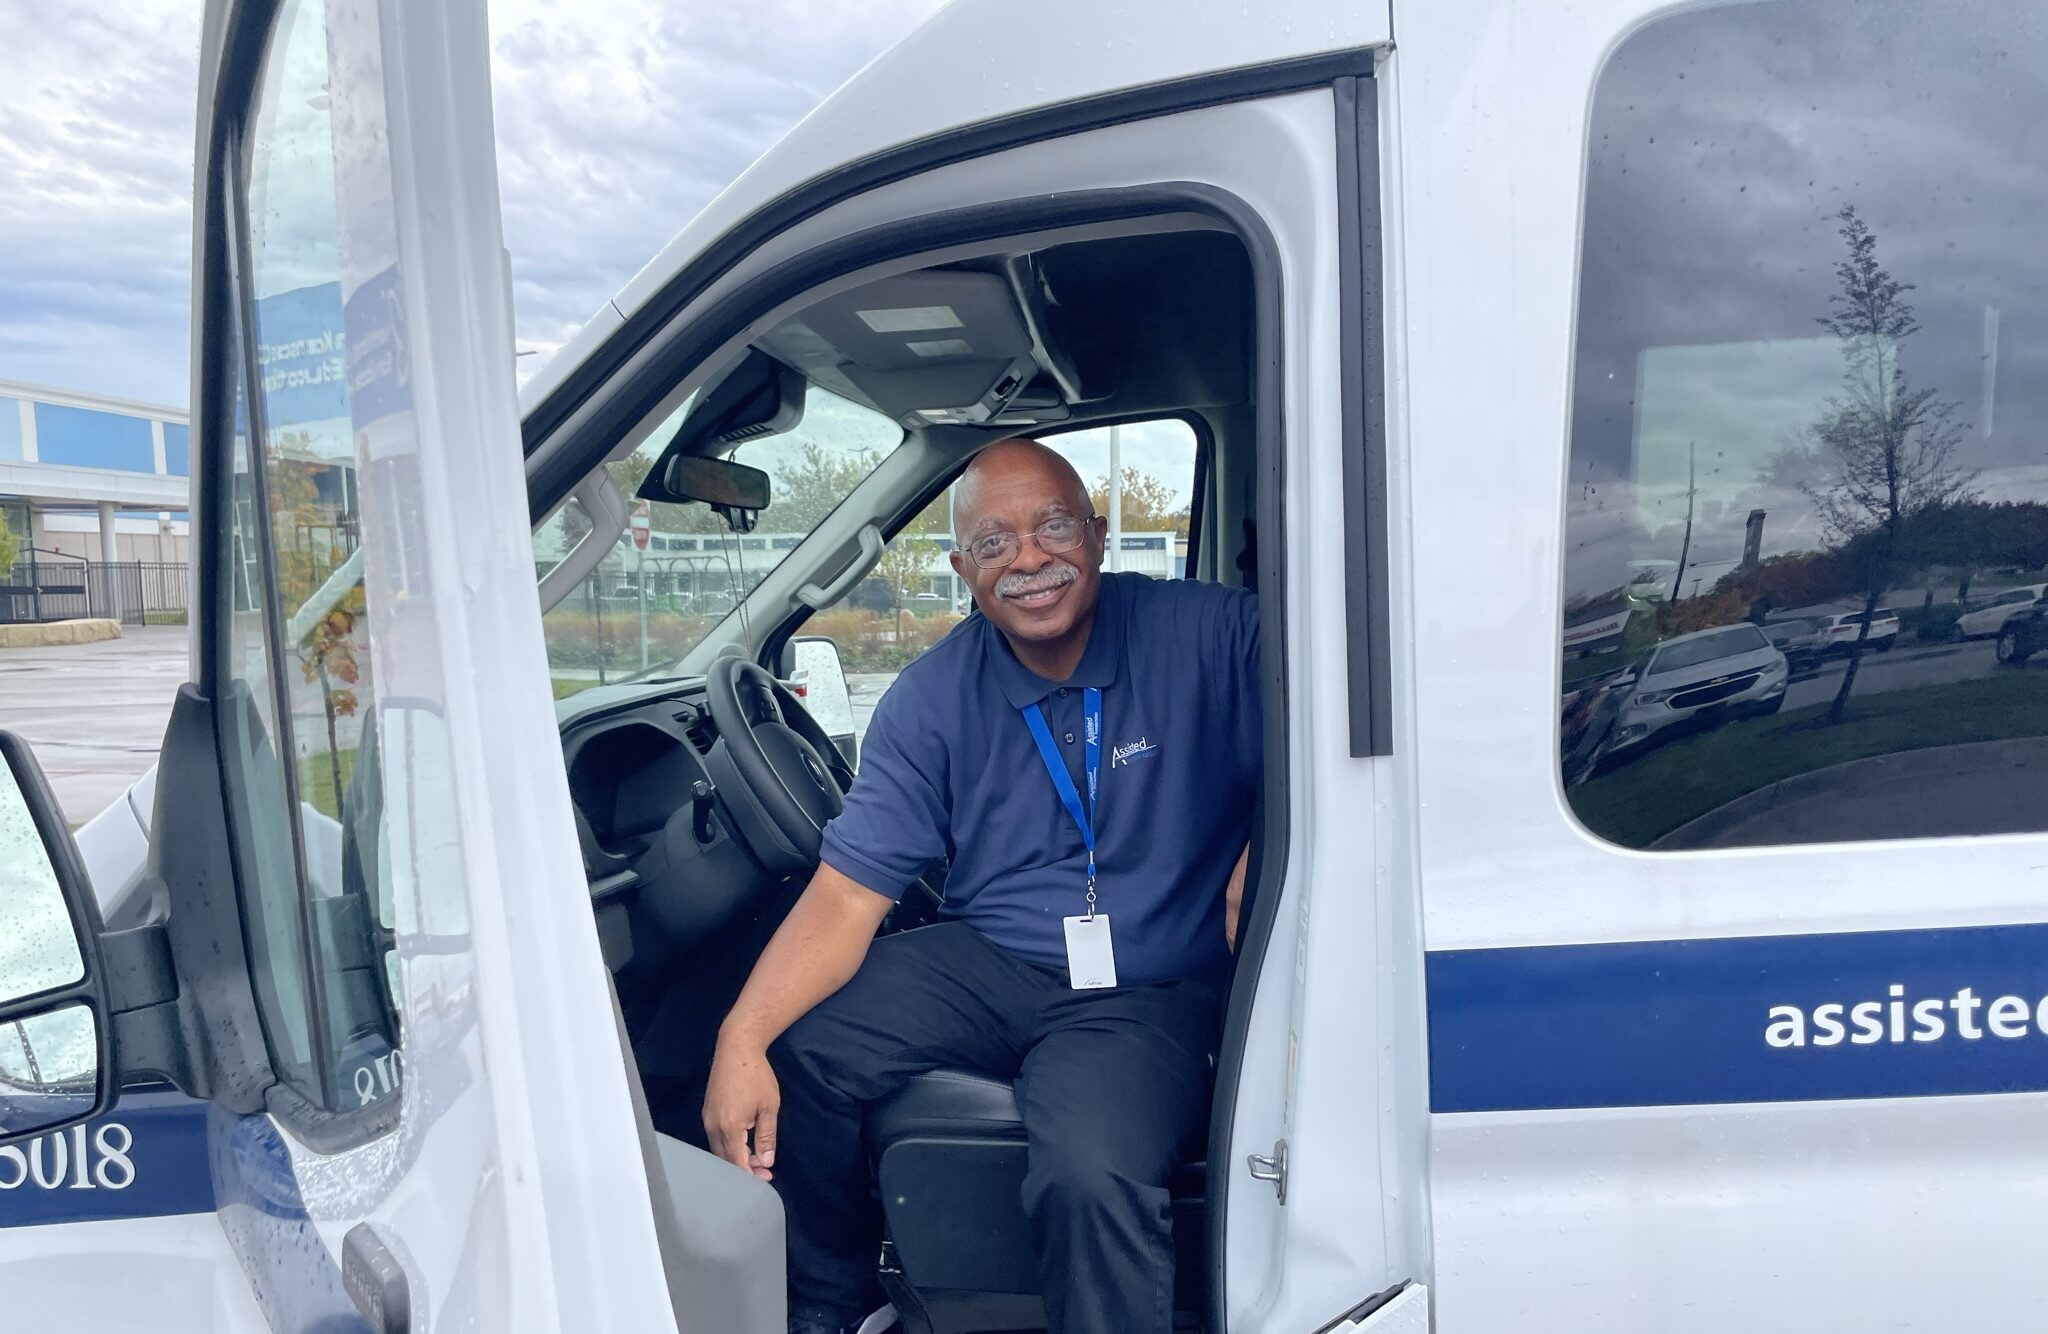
<point x="1271" y="1167"/>
<point x="375" y="1281"/>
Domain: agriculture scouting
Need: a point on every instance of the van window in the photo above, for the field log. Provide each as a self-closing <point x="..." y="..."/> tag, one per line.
<point x="301" y="778"/>
<point x="645" y="607"/>
<point x="1811" y="385"/>
<point x="913" y="599"/>
<point x="1157" y="461"/>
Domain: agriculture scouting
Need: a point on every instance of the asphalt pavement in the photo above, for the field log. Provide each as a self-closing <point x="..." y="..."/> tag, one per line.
<point x="865" y="689"/>
<point x="94" y="713"/>
<point x="1904" y="667"/>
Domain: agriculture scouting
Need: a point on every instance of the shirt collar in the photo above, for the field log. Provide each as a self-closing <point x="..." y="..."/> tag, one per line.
<point x="1100" y="661"/>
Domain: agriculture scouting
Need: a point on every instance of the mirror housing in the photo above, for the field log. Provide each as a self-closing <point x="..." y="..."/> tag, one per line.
<point x="719" y="483"/>
<point x="816" y="675"/>
<point x="56" y="1027"/>
<point x="759" y="397"/>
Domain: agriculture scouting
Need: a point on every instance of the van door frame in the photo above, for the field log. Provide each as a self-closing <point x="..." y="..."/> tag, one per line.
<point x="699" y="342"/>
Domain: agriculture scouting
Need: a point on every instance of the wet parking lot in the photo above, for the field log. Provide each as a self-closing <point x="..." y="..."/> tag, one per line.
<point x="94" y="713"/>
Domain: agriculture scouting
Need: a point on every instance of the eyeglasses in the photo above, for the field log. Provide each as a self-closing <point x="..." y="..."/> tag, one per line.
<point x="994" y="551"/>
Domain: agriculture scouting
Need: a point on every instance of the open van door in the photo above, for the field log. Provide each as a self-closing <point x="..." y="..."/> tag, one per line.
<point x="369" y="944"/>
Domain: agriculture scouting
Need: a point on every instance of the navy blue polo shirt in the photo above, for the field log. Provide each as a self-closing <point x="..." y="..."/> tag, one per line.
<point x="948" y="768"/>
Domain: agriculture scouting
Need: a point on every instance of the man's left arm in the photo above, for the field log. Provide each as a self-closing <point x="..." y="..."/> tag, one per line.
<point x="1240" y="636"/>
<point x="1233" y="896"/>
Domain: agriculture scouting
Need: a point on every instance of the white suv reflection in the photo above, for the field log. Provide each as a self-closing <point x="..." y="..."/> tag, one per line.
<point x="1708" y="677"/>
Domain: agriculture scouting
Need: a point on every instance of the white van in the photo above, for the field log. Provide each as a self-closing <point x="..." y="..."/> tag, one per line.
<point x="390" y="994"/>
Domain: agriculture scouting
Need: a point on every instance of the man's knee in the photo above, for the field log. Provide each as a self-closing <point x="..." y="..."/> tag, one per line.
<point x="1080" y="1180"/>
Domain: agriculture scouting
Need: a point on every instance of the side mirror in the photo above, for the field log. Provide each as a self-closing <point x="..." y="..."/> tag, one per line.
<point x="56" y="1066"/>
<point x="811" y="664"/>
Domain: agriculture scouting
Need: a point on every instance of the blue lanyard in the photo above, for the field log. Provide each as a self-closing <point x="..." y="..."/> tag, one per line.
<point x="1091" y="752"/>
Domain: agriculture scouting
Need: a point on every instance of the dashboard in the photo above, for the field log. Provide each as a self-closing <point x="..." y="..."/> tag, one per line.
<point x="666" y="872"/>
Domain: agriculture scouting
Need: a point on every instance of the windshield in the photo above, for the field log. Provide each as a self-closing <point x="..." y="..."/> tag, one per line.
<point x="678" y="570"/>
<point x="1718" y="644"/>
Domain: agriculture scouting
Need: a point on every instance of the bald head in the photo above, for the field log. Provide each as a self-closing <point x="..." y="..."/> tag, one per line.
<point x="1016" y="462"/>
<point x="1041" y="591"/>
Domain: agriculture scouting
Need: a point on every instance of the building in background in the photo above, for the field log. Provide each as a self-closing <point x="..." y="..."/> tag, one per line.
<point x="91" y="476"/>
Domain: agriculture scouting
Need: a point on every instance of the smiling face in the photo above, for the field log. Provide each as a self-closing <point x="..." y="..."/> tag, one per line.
<point x="1043" y="602"/>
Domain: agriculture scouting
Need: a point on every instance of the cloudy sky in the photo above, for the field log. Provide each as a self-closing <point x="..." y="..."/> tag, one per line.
<point x="1724" y="142"/>
<point x="616" y="121"/>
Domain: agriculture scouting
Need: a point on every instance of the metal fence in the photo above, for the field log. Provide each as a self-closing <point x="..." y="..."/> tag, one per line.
<point x="50" y="586"/>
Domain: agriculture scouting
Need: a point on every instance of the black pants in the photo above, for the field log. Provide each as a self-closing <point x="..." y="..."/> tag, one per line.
<point x="1112" y="1085"/>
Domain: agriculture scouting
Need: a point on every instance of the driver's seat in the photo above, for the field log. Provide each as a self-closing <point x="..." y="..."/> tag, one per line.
<point x="949" y="1155"/>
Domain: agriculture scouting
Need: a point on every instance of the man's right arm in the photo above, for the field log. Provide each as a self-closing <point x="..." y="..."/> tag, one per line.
<point x="815" y="951"/>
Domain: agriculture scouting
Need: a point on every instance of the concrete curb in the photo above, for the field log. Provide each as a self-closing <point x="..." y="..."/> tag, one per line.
<point x="58" y="633"/>
<point x="1851" y="778"/>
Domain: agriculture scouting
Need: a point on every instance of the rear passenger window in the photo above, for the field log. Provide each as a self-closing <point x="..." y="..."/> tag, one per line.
<point x="1807" y="516"/>
<point x="1153" y="466"/>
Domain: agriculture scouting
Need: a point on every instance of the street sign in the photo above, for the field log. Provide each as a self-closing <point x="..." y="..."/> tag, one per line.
<point x="643" y="518"/>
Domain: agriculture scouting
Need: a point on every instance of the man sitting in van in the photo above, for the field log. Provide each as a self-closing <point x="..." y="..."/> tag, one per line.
<point x="1086" y="753"/>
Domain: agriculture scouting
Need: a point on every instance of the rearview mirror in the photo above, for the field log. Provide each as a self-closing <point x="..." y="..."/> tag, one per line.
<point x="719" y="483"/>
<point x="55" y="1067"/>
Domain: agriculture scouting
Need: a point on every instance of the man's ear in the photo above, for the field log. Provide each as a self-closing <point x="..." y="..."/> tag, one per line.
<point x="1098" y="538"/>
<point x="960" y="567"/>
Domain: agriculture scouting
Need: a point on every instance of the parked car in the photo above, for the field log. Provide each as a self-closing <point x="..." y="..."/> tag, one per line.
<point x="1801" y="641"/>
<point x="1838" y="631"/>
<point x="1705" y="678"/>
<point x="1988" y="619"/>
<point x="2024" y="633"/>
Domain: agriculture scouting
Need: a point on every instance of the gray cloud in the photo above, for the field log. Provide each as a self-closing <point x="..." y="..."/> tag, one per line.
<point x="95" y="190"/>
<point x="1723" y="142"/>
<point x="616" y="121"/>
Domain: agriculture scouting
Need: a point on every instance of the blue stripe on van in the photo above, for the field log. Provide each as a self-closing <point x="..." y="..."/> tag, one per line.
<point x="145" y="1158"/>
<point x="1677" y="1022"/>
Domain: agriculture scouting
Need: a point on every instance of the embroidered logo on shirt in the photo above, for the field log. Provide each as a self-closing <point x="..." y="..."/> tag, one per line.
<point x="1132" y="750"/>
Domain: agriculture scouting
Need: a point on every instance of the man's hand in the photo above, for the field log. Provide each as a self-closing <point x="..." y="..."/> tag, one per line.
<point x="811" y="955"/>
<point x="1233" y="896"/>
<point x="743" y="1096"/>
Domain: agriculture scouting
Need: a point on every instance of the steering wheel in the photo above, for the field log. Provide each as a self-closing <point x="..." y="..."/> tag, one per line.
<point x="779" y="774"/>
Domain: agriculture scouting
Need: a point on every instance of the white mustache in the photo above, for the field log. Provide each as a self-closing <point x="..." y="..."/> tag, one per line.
<point x="1055" y="575"/>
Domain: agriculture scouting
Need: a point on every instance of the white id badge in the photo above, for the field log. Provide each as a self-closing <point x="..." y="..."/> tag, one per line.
<point x="1091" y="961"/>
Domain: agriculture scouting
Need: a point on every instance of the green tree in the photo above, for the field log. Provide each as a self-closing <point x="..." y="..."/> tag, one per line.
<point x="10" y="545"/>
<point x="1885" y="451"/>
<point x="805" y="488"/>
<point x="904" y="564"/>
<point x="309" y="536"/>
<point x="1147" y="503"/>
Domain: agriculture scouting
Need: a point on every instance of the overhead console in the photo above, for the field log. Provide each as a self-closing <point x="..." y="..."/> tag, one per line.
<point x="935" y="347"/>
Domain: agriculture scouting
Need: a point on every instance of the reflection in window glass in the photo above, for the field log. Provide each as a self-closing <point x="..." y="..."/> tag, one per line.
<point x="38" y="948"/>
<point x="49" y="1069"/>
<point x="1807" y="527"/>
<point x="303" y="638"/>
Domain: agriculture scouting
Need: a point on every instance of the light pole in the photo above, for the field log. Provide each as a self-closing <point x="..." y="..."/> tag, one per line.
<point x="1116" y="499"/>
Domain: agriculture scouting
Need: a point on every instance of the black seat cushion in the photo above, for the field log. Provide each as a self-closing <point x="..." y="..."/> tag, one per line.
<point x="950" y="1154"/>
<point x="946" y="1102"/>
